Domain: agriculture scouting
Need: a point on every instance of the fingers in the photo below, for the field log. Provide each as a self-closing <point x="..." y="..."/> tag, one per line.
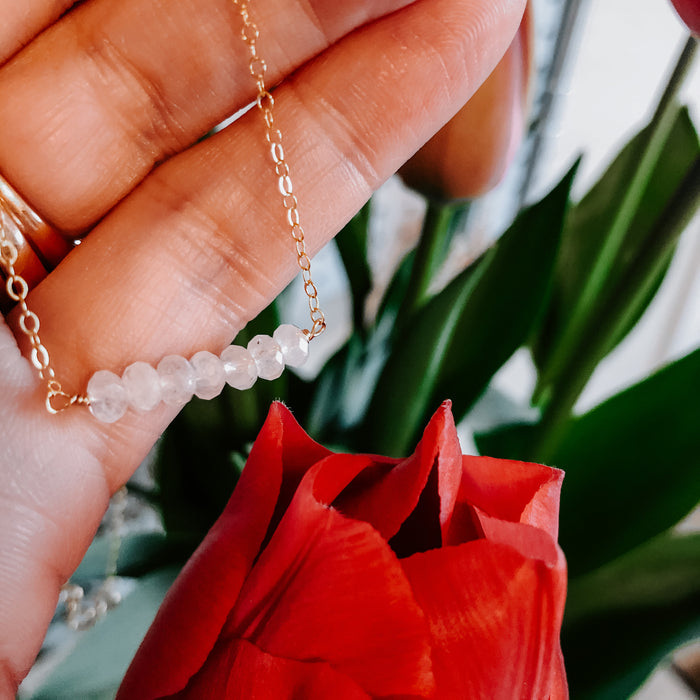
<point x="114" y="88"/>
<point x="22" y="20"/>
<point x="200" y="247"/>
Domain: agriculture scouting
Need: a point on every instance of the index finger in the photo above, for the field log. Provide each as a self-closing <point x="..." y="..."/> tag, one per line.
<point x="94" y="103"/>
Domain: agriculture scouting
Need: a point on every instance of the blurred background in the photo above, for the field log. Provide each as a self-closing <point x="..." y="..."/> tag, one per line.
<point x="620" y="54"/>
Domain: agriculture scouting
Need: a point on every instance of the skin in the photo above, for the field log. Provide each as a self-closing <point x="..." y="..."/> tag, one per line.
<point x="99" y="108"/>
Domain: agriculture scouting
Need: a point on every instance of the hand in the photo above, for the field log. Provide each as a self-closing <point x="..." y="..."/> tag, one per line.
<point x="180" y="255"/>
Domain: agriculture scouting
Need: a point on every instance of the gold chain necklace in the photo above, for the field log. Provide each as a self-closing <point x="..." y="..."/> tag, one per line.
<point x="175" y="380"/>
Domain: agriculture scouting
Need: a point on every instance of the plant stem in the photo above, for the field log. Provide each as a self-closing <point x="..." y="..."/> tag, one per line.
<point x="620" y="310"/>
<point x="352" y="246"/>
<point x="430" y="253"/>
<point x="590" y="300"/>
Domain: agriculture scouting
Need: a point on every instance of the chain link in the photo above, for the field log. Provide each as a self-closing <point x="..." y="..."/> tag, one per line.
<point x="265" y="103"/>
<point x="17" y="289"/>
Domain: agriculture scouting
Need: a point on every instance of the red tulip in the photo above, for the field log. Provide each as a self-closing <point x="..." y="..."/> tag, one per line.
<point x="471" y="153"/>
<point x="353" y="576"/>
<point x="689" y="10"/>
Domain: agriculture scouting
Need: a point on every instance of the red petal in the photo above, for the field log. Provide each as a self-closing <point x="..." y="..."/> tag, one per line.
<point x="507" y="490"/>
<point x="330" y="588"/>
<point x="241" y="671"/>
<point x="494" y="618"/>
<point x="386" y="493"/>
<point x="689" y="10"/>
<point x="529" y="541"/>
<point x="196" y="608"/>
<point x="559" y="689"/>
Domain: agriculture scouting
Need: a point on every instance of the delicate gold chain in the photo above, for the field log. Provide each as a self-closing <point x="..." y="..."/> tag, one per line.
<point x="265" y="102"/>
<point x="83" y="612"/>
<point x="17" y="289"/>
<point x="57" y="399"/>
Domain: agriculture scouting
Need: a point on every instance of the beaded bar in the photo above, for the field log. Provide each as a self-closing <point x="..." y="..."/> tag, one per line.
<point x="176" y="380"/>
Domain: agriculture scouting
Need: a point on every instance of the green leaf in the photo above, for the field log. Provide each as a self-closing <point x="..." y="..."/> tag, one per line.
<point x="352" y="245"/>
<point x="396" y="290"/>
<point x="458" y="340"/>
<point x="102" y="654"/>
<point x="624" y="618"/>
<point x="632" y="465"/>
<point x="513" y="441"/>
<point x="609" y="656"/>
<point x="495" y="409"/>
<point x="588" y="224"/>
<point x="345" y="386"/>
<point x="196" y="474"/>
<point x="440" y="224"/>
<point x="661" y="572"/>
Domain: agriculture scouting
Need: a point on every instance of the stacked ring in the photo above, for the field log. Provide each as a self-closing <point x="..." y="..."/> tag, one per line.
<point x="39" y="246"/>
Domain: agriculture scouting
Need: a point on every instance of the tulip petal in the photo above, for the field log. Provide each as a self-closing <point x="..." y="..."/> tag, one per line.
<point x="241" y="671"/>
<point x="689" y="10"/>
<point x="385" y="495"/>
<point x="471" y="153"/>
<point x="517" y="492"/>
<point x="195" y="609"/>
<point x="494" y="617"/>
<point x="330" y="588"/>
<point x="559" y="689"/>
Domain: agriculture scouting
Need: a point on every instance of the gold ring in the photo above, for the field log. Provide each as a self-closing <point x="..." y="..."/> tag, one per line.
<point x="39" y="246"/>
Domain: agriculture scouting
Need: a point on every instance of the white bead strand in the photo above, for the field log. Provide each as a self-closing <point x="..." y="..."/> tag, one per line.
<point x="268" y="356"/>
<point x="176" y="379"/>
<point x="239" y="366"/>
<point x="209" y="375"/>
<point x="142" y="385"/>
<point x="107" y="396"/>
<point x="294" y="344"/>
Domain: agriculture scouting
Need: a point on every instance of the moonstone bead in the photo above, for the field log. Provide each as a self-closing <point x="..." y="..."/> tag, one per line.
<point x="294" y="344"/>
<point x="142" y="385"/>
<point x="240" y="368"/>
<point x="267" y="355"/>
<point x="209" y="374"/>
<point x="177" y="380"/>
<point x="108" y="397"/>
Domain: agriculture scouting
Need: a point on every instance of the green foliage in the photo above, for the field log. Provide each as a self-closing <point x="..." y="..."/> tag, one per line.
<point x="352" y="246"/>
<point x="624" y="618"/>
<point x="456" y="341"/>
<point x="619" y="280"/>
<point x="139" y="553"/>
<point x="663" y="571"/>
<point x="588" y="223"/>
<point x="634" y="463"/>
<point x="631" y="464"/>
